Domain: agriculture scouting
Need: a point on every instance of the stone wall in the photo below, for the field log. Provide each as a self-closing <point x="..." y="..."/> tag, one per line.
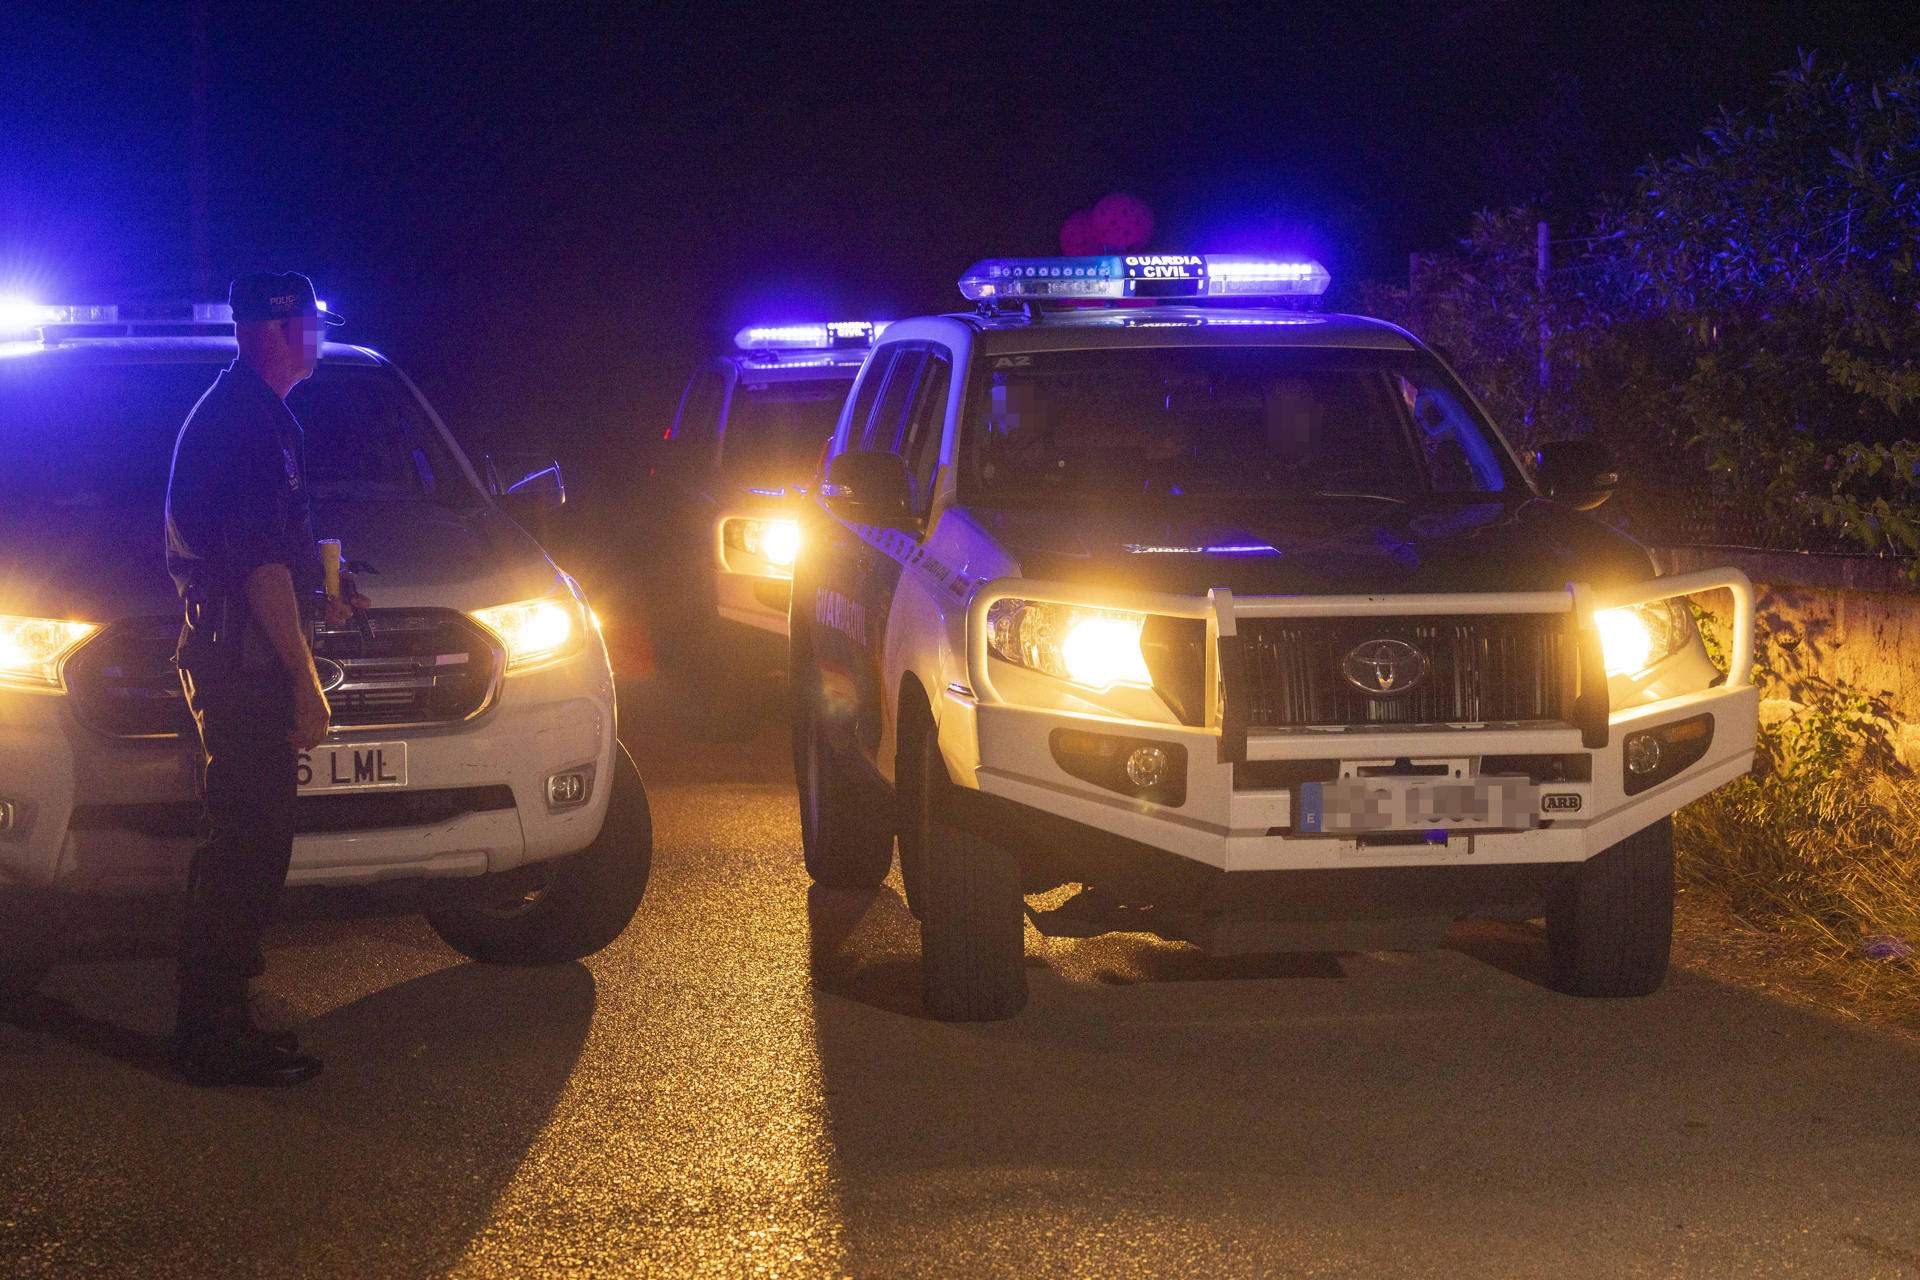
<point x="1852" y="621"/>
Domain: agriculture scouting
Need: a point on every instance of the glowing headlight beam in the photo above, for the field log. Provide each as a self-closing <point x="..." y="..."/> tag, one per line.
<point x="31" y="649"/>
<point x="1635" y="637"/>
<point x="536" y="632"/>
<point x="773" y="543"/>
<point x="780" y="542"/>
<point x="1105" y="651"/>
<point x="1098" y="648"/>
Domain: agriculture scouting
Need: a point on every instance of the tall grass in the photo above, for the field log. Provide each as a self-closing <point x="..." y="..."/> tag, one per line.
<point x="1820" y="845"/>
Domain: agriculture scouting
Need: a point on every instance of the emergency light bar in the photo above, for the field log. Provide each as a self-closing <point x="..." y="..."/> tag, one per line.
<point x="17" y="315"/>
<point x="1143" y="275"/>
<point x="21" y="317"/>
<point x="808" y="337"/>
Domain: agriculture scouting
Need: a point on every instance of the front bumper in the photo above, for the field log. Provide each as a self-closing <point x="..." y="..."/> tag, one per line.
<point x="97" y="814"/>
<point x="1232" y="818"/>
<point x="753" y="601"/>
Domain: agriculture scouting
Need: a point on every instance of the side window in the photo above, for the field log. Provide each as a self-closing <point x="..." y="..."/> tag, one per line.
<point x="871" y="381"/>
<point x="1459" y="458"/>
<point x="887" y="428"/>
<point x="926" y="417"/>
<point x="698" y="425"/>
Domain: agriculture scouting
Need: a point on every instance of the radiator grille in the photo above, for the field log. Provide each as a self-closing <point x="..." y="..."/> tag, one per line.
<point x="1481" y="669"/>
<point x="412" y="667"/>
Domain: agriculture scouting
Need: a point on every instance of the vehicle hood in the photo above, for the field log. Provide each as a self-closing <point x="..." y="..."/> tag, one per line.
<point x="1330" y="547"/>
<point x="102" y="566"/>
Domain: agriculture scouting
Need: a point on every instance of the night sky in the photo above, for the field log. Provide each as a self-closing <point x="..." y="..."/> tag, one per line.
<point x="546" y="213"/>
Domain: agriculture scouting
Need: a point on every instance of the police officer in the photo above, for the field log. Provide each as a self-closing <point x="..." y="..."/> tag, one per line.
<point x="241" y="550"/>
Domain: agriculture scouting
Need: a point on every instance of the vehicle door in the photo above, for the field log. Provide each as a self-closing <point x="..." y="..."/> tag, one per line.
<point x="855" y="577"/>
<point x="915" y="624"/>
<point x="680" y="556"/>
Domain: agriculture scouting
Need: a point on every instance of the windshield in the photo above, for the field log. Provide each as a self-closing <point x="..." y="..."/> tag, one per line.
<point x="100" y="436"/>
<point x="775" y="430"/>
<point x="1193" y="423"/>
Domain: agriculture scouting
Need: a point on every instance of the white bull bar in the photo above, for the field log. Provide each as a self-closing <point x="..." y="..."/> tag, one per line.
<point x="1222" y="612"/>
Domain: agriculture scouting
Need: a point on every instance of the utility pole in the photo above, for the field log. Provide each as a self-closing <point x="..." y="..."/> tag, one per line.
<point x="199" y="168"/>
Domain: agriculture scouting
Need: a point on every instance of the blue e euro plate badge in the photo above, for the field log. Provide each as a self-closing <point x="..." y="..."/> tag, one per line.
<point x="1313" y="808"/>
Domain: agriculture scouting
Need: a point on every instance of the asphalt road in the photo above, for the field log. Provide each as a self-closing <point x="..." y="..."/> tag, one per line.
<point x="745" y="1083"/>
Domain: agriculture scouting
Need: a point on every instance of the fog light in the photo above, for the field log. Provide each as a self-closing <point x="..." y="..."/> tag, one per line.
<point x="565" y="790"/>
<point x="1146" y="766"/>
<point x="1152" y="771"/>
<point x="1652" y="756"/>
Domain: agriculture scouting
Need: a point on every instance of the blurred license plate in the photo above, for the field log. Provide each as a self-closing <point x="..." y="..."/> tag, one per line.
<point x="1412" y="804"/>
<point x="358" y="766"/>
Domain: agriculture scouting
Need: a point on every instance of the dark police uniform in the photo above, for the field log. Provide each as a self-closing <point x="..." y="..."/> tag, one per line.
<point x="237" y="500"/>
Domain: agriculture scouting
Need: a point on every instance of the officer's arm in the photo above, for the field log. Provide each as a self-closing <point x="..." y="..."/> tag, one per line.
<point x="270" y="599"/>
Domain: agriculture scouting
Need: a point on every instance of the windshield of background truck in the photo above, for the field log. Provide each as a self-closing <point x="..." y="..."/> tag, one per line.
<point x="84" y="436"/>
<point x="775" y="430"/>
<point x="1195" y="424"/>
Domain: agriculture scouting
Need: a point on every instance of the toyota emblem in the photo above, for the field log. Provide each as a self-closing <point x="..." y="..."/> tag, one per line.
<point x="1384" y="667"/>
<point x="332" y="674"/>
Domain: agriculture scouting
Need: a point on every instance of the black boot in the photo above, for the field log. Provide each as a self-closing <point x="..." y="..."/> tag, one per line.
<point x="216" y="1043"/>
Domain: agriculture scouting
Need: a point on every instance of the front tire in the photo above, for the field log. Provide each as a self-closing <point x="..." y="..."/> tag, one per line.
<point x="966" y="891"/>
<point x="583" y="901"/>
<point x="846" y="821"/>
<point x="1610" y="926"/>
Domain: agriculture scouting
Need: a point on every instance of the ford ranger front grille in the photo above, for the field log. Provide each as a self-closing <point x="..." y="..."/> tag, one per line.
<point x="410" y="667"/>
<point x="1491" y="668"/>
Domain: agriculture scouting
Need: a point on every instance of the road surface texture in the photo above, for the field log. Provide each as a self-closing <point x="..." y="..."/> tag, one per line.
<point x="745" y="1084"/>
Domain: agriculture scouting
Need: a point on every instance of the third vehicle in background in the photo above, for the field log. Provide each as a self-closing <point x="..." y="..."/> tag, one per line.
<point x="743" y="445"/>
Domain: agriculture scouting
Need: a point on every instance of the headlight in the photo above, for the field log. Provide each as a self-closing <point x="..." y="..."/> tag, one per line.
<point x="31" y="649"/>
<point x="766" y="547"/>
<point x="1634" y="638"/>
<point x="538" y="632"/>
<point x="1098" y="648"/>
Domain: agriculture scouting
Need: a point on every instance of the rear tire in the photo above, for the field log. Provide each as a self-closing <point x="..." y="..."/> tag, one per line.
<point x="846" y="821"/>
<point x="966" y="891"/>
<point x="583" y="902"/>
<point x="1610" y="926"/>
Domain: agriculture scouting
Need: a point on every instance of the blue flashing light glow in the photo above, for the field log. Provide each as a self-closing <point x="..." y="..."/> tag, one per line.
<point x="1143" y="275"/>
<point x="1205" y="549"/>
<point x="820" y="336"/>
<point x="22" y="315"/>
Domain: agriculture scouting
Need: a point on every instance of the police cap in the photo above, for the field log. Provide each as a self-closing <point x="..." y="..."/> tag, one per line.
<point x="276" y="295"/>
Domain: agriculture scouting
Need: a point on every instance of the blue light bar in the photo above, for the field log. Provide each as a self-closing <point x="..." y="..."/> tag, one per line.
<point x="18" y="315"/>
<point x="822" y="336"/>
<point x="1143" y="275"/>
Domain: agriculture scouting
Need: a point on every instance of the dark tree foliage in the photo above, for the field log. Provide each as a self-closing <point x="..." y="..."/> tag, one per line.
<point x="1744" y="326"/>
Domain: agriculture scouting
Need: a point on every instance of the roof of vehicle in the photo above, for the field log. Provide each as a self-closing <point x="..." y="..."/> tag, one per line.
<point x="1163" y="325"/>
<point x="163" y="349"/>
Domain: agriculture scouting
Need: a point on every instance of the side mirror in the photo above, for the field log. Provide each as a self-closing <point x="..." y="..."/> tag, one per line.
<point x="1580" y="473"/>
<point x="867" y="486"/>
<point x="542" y="488"/>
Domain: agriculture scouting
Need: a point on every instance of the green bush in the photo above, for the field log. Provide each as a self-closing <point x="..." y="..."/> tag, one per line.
<point x="1744" y="325"/>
